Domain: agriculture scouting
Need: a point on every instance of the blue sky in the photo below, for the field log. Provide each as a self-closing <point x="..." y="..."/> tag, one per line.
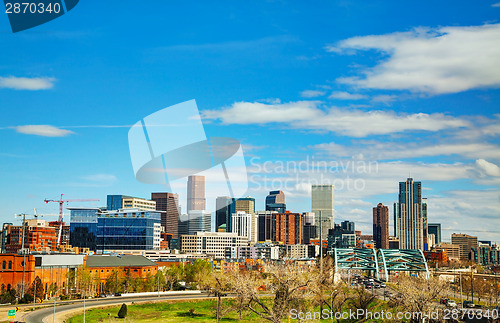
<point x="411" y="87"/>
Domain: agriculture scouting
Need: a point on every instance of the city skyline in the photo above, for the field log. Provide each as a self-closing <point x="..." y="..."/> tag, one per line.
<point x="316" y="95"/>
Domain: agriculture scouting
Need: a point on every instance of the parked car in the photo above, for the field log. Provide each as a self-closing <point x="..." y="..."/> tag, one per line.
<point x="451" y="303"/>
<point x="382" y="285"/>
<point x="118" y="294"/>
<point x="468" y="304"/>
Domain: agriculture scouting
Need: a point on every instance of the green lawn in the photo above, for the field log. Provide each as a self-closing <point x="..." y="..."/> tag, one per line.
<point x="183" y="311"/>
<point x="168" y="311"/>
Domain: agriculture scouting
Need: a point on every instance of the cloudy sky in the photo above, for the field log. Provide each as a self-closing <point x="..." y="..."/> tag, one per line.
<point x="360" y="94"/>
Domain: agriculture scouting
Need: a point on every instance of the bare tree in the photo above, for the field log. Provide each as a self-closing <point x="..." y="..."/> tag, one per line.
<point x="290" y="287"/>
<point x="419" y="293"/>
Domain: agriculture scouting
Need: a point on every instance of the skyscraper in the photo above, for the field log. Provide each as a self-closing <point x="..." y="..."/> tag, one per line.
<point x="381" y="226"/>
<point x="435" y="229"/>
<point x="196" y="193"/>
<point x="424" y="222"/>
<point x="245" y="225"/>
<point x="286" y="228"/>
<point x="168" y="203"/>
<point x="410" y="219"/>
<point x="275" y="201"/>
<point x="322" y="205"/>
<point x="223" y="212"/>
<point x="245" y="204"/>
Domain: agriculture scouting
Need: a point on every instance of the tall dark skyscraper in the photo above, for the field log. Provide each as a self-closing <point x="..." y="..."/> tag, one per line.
<point x="435" y="229"/>
<point x="410" y="218"/>
<point x="196" y="193"/>
<point x="223" y="212"/>
<point x="168" y="203"/>
<point x="381" y="226"/>
<point x="275" y="201"/>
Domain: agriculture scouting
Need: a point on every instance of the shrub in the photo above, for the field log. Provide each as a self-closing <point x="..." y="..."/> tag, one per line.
<point x="122" y="313"/>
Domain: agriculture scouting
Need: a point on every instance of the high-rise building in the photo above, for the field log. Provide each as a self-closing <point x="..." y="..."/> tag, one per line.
<point x="424" y="223"/>
<point x="435" y="229"/>
<point x="168" y="204"/>
<point x="342" y="236"/>
<point x="275" y="201"/>
<point x="395" y="218"/>
<point x="199" y="221"/>
<point x="310" y="230"/>
<point x="410" y="220"/>
<point x="466" y="243"/>
<point x="265" y="221"/>
<point x="245" y="225"/>
<point x="381" y="226"/>
<point x="245" y="204"/>
<point x="223" y="212"/>
<point x="322" y="205"/>
<point x="286" y="228"/>
<point x="117" y="202"/>
<point x="196" y="193"/>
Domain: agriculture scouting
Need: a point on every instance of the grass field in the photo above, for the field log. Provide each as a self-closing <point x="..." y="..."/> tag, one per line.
<point x="169" y="311"/>
<point x="185" y="311"/>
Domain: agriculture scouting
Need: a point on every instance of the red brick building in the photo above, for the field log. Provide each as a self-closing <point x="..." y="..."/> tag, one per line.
<point x="287" y="228"/>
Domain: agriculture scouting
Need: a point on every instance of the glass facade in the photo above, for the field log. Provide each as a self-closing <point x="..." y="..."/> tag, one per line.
<point x="83" y="228"/>
<point x="128" y="229"/>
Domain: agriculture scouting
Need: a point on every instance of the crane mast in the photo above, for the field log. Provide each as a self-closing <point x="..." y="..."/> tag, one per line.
<point x="61" y="204"/>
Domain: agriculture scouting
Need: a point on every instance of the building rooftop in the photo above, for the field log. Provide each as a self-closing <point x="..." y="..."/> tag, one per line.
<point x="119" y="261"/>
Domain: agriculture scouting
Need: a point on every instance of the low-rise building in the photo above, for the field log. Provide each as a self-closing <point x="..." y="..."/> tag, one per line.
<point x="213" y="244"/>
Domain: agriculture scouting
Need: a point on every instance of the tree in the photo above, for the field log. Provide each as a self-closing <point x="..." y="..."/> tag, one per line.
<point x="289" y="285"/>
<point x="8" y="296"/>
<point x="114" y="282"/>
<point x="38" y="287"/>
<point x="149" y="283"/>
<point x="362" y="299"/>
<point x="173" y="274"/>
<point x="122" y="313"/>
<point x="419" y="293"/>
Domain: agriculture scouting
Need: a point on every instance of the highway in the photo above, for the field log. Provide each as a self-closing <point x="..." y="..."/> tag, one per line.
<point x="38" y="315"/>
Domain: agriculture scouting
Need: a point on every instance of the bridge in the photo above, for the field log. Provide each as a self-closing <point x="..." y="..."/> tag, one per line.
<point x="382" y="262"/>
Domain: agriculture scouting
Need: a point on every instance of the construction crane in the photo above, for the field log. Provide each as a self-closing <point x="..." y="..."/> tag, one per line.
<point x="61" y="203"/>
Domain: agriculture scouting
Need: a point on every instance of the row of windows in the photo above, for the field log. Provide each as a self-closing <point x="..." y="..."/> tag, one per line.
<point x="4" y="264"/>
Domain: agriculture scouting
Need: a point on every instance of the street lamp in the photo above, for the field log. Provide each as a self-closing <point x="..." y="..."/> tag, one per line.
<point x="331" y="305"/>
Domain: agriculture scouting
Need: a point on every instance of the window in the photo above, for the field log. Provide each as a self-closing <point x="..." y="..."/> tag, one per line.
<point x="10" y="264"/>
<point x="8" y="287"/>
<point x="4" y="264"/>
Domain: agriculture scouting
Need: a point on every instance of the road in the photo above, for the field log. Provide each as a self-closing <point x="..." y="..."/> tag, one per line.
<point x="38" y="315"/>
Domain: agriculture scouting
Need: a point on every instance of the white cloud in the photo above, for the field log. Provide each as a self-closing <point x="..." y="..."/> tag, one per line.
<point x="43" y="130"/>
<point x="26" y="83"/>
<point x="496" y="5"/>
<point x="347" y="96"/>
<point x="391" y="150"/>
<point x="433" y="61"/>
<point x="311" y="93"/>
<point x="489" y="168"/>
<point x="348" y="122"/>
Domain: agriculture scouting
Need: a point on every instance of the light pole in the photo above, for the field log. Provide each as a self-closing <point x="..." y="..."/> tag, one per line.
<point x="461" y="296"/>
<point x="34" y="294"/>
<point x="331" y="306"/>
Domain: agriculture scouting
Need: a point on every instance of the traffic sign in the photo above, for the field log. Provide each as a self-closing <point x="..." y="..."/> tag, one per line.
<point x="11" y="314"/>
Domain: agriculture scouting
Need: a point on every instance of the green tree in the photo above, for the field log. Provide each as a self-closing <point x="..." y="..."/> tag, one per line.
<point x="38" y="287"/>
<point x="149" y="283"/>
<point x="114" y="282"/>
